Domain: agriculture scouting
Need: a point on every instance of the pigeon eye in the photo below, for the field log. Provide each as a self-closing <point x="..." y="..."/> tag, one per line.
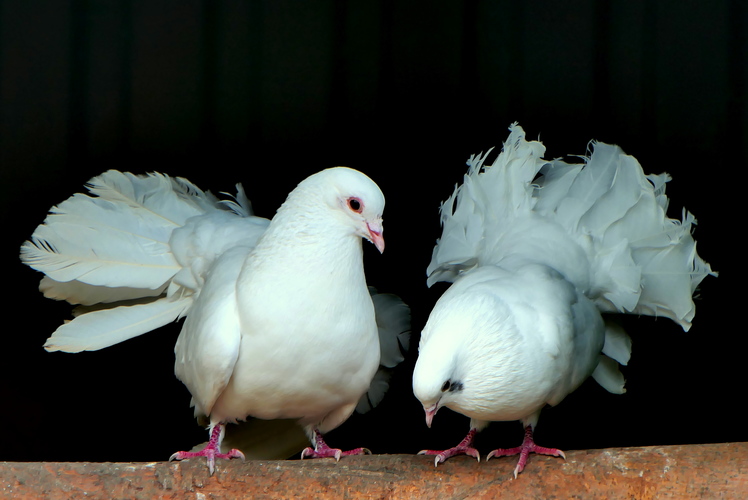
<point x="445" y="386"/>
<point x="355" y="205"/>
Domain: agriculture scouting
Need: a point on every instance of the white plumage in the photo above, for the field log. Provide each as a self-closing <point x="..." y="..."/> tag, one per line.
<point x="536" y="251"/>
<point x="279" y="321"/>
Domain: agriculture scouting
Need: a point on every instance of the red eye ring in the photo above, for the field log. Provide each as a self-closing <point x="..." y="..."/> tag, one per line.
<point x="355" y="204"/>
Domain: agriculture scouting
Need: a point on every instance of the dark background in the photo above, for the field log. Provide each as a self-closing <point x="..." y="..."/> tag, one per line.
<point x="267" y="93"/>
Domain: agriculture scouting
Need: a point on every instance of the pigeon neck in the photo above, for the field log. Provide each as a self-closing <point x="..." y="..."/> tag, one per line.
<point x="309" y="243"/>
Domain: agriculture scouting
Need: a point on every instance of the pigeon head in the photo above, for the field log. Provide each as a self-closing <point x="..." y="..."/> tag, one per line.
<point x="438" y="377"/>
<point x="349" y="197"/>
<point x="432" y="399"/>
<point x="459" y="352"/>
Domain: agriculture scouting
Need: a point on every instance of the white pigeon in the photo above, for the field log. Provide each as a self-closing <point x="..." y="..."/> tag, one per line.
<point x="537" y="250"/>
<point x="279" y="321"/>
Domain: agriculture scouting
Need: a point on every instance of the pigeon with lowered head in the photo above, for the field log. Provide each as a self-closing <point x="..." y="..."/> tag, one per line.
<point x="536" y="251"/>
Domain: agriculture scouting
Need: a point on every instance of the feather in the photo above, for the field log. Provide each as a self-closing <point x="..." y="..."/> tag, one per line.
<point x="103" y="328"/>
<point x="128" y="241"/>
<point x="117" y="238"/>
<point x="609" y="376"/>
<point x="76" y="292"/>
<point x="605" y="212"/>
<point x="393" y="325"/>
<point x="617" y="343"/>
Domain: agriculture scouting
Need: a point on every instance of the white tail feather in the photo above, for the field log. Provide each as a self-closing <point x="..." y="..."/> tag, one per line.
<point x="103" y="328"/>
<point x="116" y="246"/>
<point x="601" y="224"/>
<point x="393" y="323"/>
<point x="609" y="376"/>
<point x="172" y="198"/>
<point x="120" y="238"/>
<point x="68" y="250"/>
<point x="617" y="343"/>
<point x="76" y="292"/>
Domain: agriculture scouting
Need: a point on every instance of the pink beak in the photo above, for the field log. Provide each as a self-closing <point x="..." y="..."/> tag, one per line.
<point x="375" y="235"/>
<point x="430" y="412"/>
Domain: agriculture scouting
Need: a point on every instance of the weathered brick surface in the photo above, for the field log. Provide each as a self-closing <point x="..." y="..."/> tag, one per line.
<point x="694" y="471"/>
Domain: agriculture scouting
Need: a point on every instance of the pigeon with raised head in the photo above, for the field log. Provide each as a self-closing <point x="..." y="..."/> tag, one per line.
<point x="279" y="322"/>
<point x="536" y="251"/>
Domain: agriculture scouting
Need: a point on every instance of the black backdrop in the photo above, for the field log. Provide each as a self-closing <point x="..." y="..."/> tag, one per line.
<point x="267" y="93"/>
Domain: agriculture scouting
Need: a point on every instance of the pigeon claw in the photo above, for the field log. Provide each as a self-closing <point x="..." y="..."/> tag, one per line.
<point x="464" y="448"/>
<point x="210" y="453"/>
<point x="321" y="450"/>
<point x="336" y="453"/>
<point x="528" y="446"/>
<point x="443" y="455"/>
<point x="323" y="453"/>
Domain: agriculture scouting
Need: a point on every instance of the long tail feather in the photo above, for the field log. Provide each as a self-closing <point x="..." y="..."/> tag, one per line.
<point x="77" y="292"/>
<point x="103" y="328"/>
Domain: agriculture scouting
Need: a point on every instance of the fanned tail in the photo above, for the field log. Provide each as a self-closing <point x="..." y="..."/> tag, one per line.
<point x="642" y="261"/>
<point x="602" y="224"/>
<point x="112" y="249"/>
<point x="474" y="217"/>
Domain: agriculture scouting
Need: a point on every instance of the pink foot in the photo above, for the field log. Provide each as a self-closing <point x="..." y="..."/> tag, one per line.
<point x="528" y="446"/>
<point x="464" y="448"/>
<point x="211" y="450"/>
<point x="321" y="450"/>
